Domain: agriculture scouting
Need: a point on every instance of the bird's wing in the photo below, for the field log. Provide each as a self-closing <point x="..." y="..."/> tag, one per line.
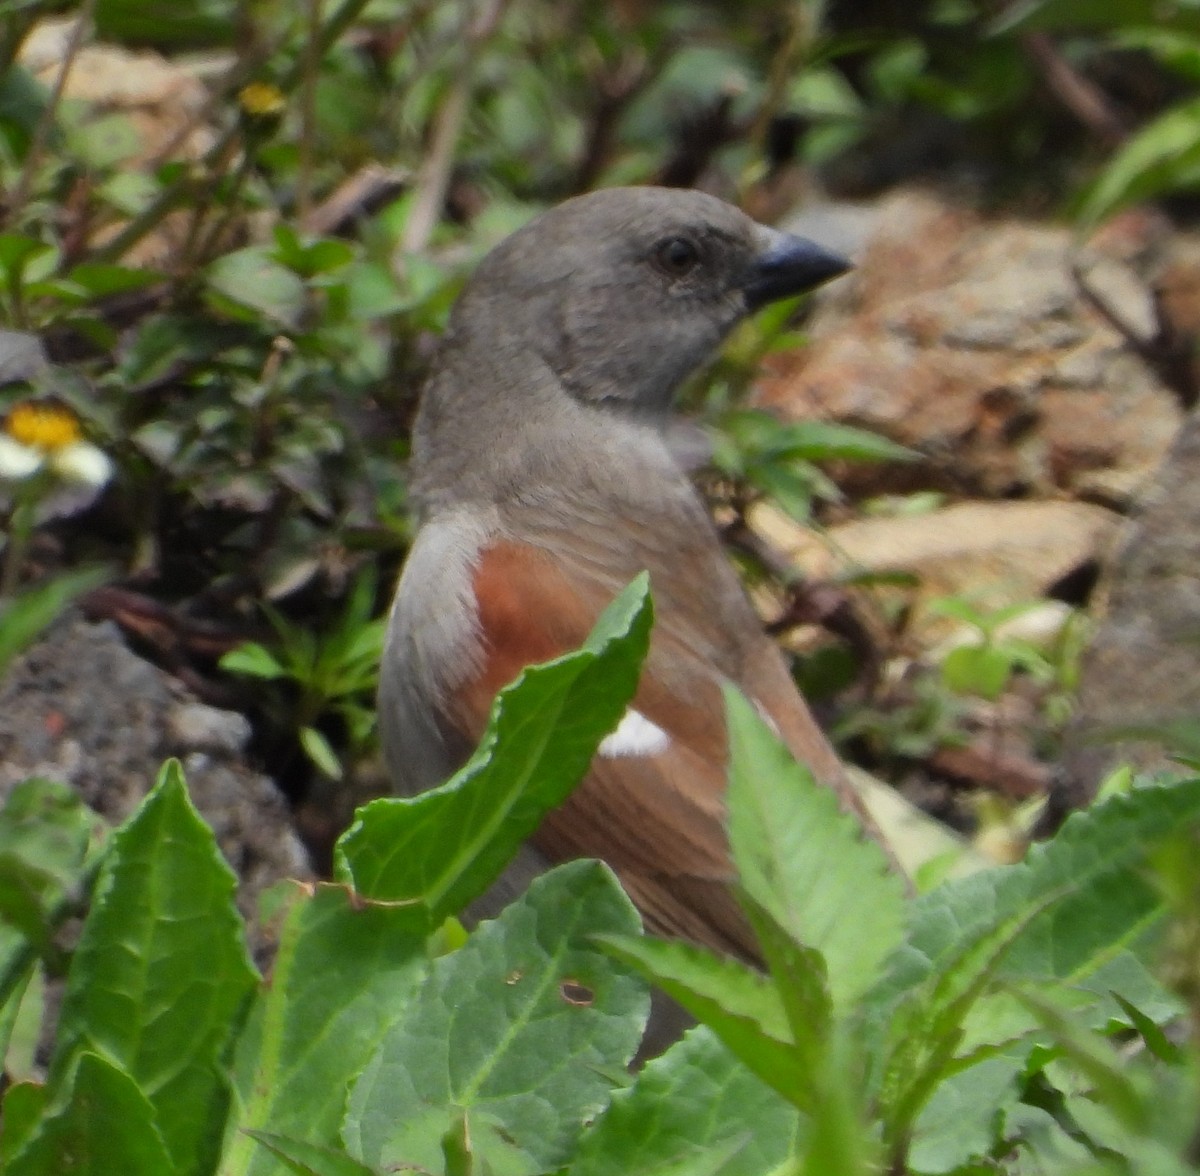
<point x="652" y="803"/>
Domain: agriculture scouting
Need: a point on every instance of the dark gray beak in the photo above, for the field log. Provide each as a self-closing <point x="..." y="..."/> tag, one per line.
<point x="790" y="265"/>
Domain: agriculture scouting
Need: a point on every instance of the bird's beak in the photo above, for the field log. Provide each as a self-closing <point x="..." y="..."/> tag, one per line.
<point x="788" y="265"/>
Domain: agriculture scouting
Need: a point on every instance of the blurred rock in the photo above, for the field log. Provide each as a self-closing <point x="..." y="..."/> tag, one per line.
<point x="992" y="553"/>
<point x="163" y="98"/>
<point x="1140" y="670"/>
<point x="975" y="342"/>
<point x="80" y="707"/>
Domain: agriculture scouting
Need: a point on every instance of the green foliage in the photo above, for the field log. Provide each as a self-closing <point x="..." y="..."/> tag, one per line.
<point x="24" y="616"/>
<point x="331" y="674"/>
<point x="778" y="461"/>
<point x="976" y="1028"/>
<point x="907" y="1047"/>
<point x="543" y="731"/>
<point x="252" y="384"/>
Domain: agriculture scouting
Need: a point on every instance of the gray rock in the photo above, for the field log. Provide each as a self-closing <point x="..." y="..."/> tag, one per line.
<point x="80" y="707"/>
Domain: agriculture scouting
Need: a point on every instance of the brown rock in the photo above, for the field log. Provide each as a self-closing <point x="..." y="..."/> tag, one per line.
<point x="993" y="553"/>
<point x="971" y="341"/>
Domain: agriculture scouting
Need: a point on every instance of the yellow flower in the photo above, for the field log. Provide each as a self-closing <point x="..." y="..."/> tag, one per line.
<point x="262" y="100"/>
<point x="39" y="434"/>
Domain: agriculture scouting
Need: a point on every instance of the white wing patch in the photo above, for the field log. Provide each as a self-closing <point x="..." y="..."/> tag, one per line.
<point x="635" y="735"/>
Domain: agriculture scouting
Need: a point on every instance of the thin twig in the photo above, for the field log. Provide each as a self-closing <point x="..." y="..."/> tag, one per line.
<point x="1084" y="100"/>
<point x="188" y="184"/>
<point x="41" y="132"/>
<point x="308" y="111"/>
<point x="1169" y="352"/>
<point x="803" y="25"/>
<point x="433" y="177"/>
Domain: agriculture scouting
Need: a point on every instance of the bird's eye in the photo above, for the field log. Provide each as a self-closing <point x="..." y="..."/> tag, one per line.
<point x="676" y="256"/>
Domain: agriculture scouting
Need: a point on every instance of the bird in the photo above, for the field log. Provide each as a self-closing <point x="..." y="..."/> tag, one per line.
<point x="545" y="479"/>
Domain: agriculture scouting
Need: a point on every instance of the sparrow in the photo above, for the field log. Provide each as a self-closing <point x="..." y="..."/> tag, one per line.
<point x="544" y="480"/>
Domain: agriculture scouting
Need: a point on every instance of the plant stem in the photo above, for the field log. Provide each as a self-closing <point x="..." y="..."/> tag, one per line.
<point x="308" y="112"/>
<point x="20" y="529"/>
<point x="803" y="25"/>
<point x="433" y="178"/>
<point x="45" y="122"/>
<point x="187" y="185"/>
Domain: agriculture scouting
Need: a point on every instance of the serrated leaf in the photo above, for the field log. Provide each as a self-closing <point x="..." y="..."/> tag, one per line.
<point x="737" y="1003"/>
<point x="1092" y="1054"/>
<point x="805" y="862"/>
<point x="1094" y="865"/>
<point x="692" y="1103"/>
<point x="958" y="1123"/>
<point x="446" y="846"/>
<point x="513" y="1030"/>
<point x="927" y="1031"/>
<point x="161" y="973"/>
<point x="345" y="969"/>
<point x="800" y="980"/>
<point x="1078" y="904"/>
<point x="308" y="1159"/>
<point x="101" y="1125"/>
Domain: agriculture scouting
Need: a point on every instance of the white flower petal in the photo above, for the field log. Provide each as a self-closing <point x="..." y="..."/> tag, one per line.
<point x="17" y="460"/>
<point x="82" y="462"/>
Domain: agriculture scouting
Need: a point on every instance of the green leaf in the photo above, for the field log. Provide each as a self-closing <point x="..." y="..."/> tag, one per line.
<point x="1071" y="914"/>
<point x="1157" y="1042"/>
<point x="24" y="1106"/>
<point x="958" y="1123"/>
<point x="16" y="252"/>
<point x="184" y="24"/>
<point x="320" y="751"/>
<point x="805" y="862"/>
<point x="308" y="1159"/>
<point x="693" y="1102"/>
<point x="1094" y="867"/>
<point x="925" y="1033"/>
<point x="251" y="278"/>
<point x="822" y="441"/>
<point x="515" y="1030"/>
<point x="161" y="972"/>
<point x="46" y="824"/>
<point x="740" y="1005"/>
<point x="800" y="980"/>
<point x="255" y="660"/>
<point x="101" y="1125"/>
<point x="447" y="845"/>
<point x="1164" y="156"/>
<point x="102" y="280"/>
<point x="983" y="670"/>
<point x="345" y="970"/>
<point x="1094" y="1057"/>
<point x="23" y="618"/>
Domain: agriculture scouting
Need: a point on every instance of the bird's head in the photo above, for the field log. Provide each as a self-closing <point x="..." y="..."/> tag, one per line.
<point x="625" y="291"/>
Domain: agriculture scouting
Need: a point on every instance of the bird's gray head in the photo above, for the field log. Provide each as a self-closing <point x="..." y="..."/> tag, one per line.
<point x="623" y="292"/>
